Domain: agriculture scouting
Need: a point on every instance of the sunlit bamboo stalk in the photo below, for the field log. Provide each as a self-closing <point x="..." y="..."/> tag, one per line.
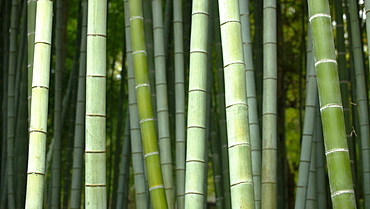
<point x="196" y="124"/>
<point x="95" y="121"/>
<point x="39" y="105"/>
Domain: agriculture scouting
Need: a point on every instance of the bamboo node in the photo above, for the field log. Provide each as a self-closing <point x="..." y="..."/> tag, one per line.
<point x="146" y="120"/>
<point x="136" y="17"/>
<point x="330" y="105"/>
<point x="347" y="191"/>
<point x="142" y="85"/>
<point x="319" y="15"/>
<point x="156" y="187"/>
<point x="325" y="61"/>
<point x="336" y="150"/>
<point x="151" y="153"/>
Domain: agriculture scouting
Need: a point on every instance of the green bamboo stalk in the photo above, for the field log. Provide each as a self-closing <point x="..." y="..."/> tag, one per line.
<point x="122" y="196"/>
<point x="258" y="51"/>
<point x="216" y="166"/>
<point x="195" y="153"/>
<point x="5" y="41"/>
<point x="136" y="142"/>
<point x="362" y="101"/>
<point x="179" y="102"/>
<point x="11" y="102"/>
<point x="311" y="200"/>
<point x="21" y="133"/>
<point x="162" y="103"/>
<point x="344" y="85"/>
<point x="269" y="132"/>
<point x="57" y="130"/>
<point x="321" y="178"/>
<point x="148" y="28"/>
<point x="222" y="112"/>
<point x="39" y="106"/>
<point x="21" y="137"/>
<point x="31" y="22"/>
<point x="336" y="150"/>
<point x="78" y="146"/>
<point x="252" y="101"/>
<point x="68" y="151"/>
<point x="147" y="125"/>
<point x="239" y="147"/>
<point x="308" y="129"/>
<point x="95" y="148"/>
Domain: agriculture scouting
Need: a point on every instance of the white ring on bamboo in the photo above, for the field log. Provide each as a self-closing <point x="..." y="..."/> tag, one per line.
<point x="336" y="150"/>
<point x="319" y="15"/>
<point x="331" y="105"/>
<point x="142" y="85"/>
<point x="348" y="191"/>
<point x="139" y="51"/>
<point x="151" y="153"/>
<point x="136" y="17"/>
<point x="324" y="61"/>
<point x="146" y="120"/>
<point x="156" y="187"/>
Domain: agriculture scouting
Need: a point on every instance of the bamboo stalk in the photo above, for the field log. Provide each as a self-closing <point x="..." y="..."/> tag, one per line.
<point x="147" y="125"/>
<point x="336" y="150"/>
<point x="95" y="147"/>
<point x="39" y="105"/>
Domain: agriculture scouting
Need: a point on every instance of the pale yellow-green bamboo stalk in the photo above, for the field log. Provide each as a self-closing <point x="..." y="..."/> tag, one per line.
<point x="195" y="153"/>
<point x="239" y="146"/>
<point x="39" y="105"/>
<point x="95" y="148"/>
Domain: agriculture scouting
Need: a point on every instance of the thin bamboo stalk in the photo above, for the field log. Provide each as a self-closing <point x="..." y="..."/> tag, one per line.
<point x="252" y="101"/>
<point x="362" y="99"/>
<point x="31" y="22"/>
<point x="147" y="125"/>
<point x="78" y="146"/>
<point x="162" y="103"/>
<point x="222" y="111"/>
<point x="57" y="130"/>
<point x="11" y="102"/>
<point x="269" y="108"/>
<point x="331" y="108"/>
<point x="136" y="142"/>
<point x="39" y="105"/>
<point x="179" y="102"/>
<point x="122" y="196"/>
<point x="308" y="129"/>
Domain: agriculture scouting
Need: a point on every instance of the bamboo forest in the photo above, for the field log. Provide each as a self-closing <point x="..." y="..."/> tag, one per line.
<point x="184" y="104"/>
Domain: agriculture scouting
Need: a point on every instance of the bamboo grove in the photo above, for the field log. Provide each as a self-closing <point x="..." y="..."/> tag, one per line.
<point x="184" y="104"/>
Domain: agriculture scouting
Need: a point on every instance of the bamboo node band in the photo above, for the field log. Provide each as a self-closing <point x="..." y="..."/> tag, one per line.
<point x="319" y="15"/>
<point x="336" y="150"/>
<point x="240" y="144"/>
<point x="347" y="191"/>
<point x="331" y="105"/>
<point x="325" y="61"/>
<point x="156" y="187"/>
<point x="142" y="85"/>
<point x="146" y="120"/>
<point x="139" y="51"/>
<point x="151" y="153"/>
<point x="136" y="17"/>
